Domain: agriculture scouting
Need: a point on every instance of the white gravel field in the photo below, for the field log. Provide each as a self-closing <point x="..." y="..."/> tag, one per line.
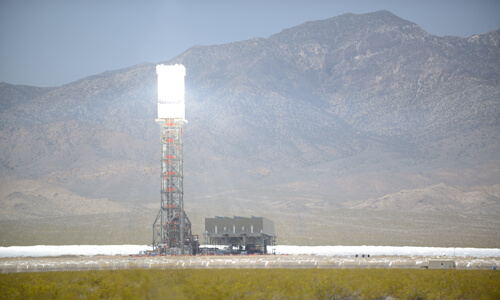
<point x="77" y="258"/>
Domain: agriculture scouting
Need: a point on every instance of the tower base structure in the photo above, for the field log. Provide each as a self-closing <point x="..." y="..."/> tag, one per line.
<point x="172" y="229"/>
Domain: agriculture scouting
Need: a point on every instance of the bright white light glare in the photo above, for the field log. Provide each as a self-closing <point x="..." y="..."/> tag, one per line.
<point x="17" y="251"/>
<point x="171" y="91"/>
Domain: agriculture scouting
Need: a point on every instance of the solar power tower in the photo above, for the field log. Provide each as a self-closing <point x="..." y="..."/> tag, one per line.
<point x="172" y="228"/>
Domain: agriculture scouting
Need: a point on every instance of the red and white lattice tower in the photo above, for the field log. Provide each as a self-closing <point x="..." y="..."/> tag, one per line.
<point x="172" y="228"/>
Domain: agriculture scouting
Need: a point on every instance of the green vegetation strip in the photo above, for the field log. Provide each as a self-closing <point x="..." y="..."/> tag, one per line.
<point x="253" y="284"/>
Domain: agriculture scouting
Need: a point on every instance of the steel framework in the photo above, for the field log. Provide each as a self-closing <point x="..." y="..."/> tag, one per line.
<point x="250" y="242"/>
<point x="172" y="228"/>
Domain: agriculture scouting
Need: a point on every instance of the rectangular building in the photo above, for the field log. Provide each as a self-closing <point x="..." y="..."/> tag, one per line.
<point x="441" y="264"/>
<point x="251" y="235"/>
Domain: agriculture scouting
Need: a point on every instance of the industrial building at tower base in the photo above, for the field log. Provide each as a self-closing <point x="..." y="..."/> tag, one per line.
<point x="240" y="234"/>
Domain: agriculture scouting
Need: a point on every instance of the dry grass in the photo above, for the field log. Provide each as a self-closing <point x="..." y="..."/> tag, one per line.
<point x="253" y="284"/>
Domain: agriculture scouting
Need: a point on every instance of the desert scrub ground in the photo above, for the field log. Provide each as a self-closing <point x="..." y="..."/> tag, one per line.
<point x="253" y="284"/>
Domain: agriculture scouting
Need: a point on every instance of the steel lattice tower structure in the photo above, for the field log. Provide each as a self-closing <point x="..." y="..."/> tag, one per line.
<point x="172" y="228"/>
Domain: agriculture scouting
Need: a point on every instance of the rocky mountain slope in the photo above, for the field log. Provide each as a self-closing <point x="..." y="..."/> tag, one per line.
<point x="352" y="107"/>
<point x="345" y="112"/>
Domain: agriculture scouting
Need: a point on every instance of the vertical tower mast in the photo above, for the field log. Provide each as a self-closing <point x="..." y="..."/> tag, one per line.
<point x="172" y="228"/>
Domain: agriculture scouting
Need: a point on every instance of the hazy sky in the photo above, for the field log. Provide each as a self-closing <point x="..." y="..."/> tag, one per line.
<point x="53" y="42"/>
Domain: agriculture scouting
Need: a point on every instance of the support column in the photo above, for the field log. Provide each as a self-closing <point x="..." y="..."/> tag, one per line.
<point x="171" y="227"/>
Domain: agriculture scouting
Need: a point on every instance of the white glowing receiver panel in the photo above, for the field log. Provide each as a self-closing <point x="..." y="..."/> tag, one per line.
<point x="171" y="91"/>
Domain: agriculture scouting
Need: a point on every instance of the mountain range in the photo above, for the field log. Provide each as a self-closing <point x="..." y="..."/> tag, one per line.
<point x="363" y="114"/>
